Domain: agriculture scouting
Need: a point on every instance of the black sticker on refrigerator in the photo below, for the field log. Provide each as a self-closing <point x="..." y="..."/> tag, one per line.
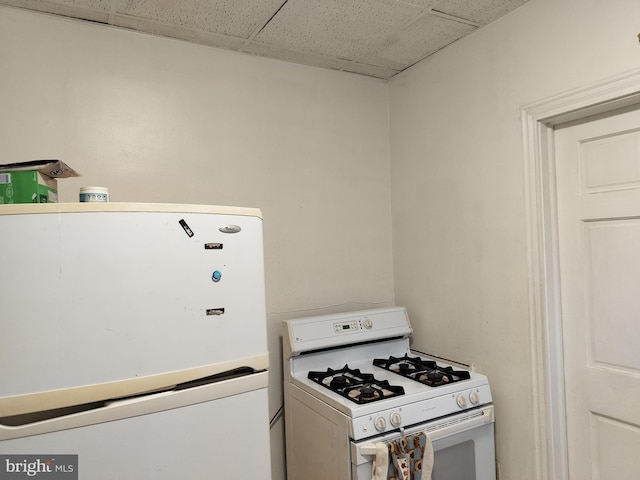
<point x="213" y="246"/>
<point x="185" y="227"/>
<point x="215" y="311"/>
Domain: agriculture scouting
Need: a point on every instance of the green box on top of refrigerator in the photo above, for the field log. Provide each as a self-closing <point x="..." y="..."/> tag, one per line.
<point x="27" y="187"/>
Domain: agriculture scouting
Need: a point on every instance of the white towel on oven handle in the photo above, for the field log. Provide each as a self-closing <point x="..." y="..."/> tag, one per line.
<point x="427" y="459"/>
<point x="380" y="462"/>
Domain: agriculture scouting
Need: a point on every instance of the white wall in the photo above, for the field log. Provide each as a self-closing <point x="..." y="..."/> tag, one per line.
<point x="458" y="201"/>
<point x="158" y="120"/>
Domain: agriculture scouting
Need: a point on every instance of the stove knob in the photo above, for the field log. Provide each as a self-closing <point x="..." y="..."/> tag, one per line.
<point x="380" y="424"/>
<point x="474" y="398"/>
<point x="367" y="323"/>
<point x="461" y="400"/>
<point x="395" y="419"/>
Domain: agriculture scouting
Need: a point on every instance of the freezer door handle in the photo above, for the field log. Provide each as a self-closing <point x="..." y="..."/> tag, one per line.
<point x="29" y="403"/>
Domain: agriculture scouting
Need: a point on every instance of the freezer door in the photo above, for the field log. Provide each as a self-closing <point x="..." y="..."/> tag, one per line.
<point x="92" y="297"/>
<point x="226" y="437"/>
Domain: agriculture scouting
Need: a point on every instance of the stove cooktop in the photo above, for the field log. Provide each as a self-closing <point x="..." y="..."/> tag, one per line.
<point x="362" y="388"/>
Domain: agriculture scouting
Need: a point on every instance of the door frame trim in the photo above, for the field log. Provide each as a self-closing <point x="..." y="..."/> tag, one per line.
<point x="545" y="320"/>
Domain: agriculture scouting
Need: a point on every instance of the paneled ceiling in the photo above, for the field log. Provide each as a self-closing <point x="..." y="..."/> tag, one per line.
<point x="378" y="38"/>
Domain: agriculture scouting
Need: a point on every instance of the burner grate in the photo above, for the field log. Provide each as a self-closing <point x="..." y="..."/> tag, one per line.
<point x="424" y="371"/>
<point x="354" y="385"/>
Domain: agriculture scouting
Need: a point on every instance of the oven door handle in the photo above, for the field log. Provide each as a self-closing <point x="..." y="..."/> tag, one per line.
<point x="443" y="428"/>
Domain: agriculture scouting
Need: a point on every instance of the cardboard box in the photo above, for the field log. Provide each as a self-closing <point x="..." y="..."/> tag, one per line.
<point x="50" y="168"/>
<point x="27" y="187"/>
<point x="34" y="181"/>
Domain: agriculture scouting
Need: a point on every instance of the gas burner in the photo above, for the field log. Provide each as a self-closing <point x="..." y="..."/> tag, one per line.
<point x="424" y="371"/>
<point x="367" y="392"/>
<point x="433" y="378"/>
<point x="340" y="381"/>
<point x="354" y="385"/>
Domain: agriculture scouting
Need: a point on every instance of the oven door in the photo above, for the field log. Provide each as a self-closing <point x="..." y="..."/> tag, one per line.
<point x="463" y="447"/>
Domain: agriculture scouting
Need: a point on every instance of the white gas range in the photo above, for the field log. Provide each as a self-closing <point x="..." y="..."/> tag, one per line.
<point x="351" y="381"/>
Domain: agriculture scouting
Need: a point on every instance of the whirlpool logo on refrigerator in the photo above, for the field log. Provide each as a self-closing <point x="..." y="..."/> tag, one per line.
<point x="49" y="467"/>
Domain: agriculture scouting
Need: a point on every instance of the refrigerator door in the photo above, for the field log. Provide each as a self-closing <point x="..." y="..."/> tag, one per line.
<point x="100" y="294"/>
<point x="213" y="431"/>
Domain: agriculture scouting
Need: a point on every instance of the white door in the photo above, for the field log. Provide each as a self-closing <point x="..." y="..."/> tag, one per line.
<point x="598" y="186"/>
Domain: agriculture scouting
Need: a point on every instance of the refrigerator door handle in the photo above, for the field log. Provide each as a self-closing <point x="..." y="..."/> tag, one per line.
<point x="110" y="410"/>
<point x="70" y="398"/>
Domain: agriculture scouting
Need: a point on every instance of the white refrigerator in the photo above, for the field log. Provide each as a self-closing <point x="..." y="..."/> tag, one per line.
<point x="133" y="339"/>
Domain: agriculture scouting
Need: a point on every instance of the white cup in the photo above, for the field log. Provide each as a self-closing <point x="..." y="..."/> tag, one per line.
<point x="94" y="194"/>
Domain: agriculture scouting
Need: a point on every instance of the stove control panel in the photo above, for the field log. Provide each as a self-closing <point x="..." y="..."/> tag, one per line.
<point x="420" y="412"/>
<point x="329" y="331"/>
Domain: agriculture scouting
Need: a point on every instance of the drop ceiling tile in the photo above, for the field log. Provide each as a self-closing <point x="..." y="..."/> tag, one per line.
<point x="182" y="33"/>
<point x="238" y="18"/>
<point x="338" y="28"/>
<point x="294" y="56"/>
<point x="66" y="8"/>
<point x="421" y="39"/>
<point x="479" y="11"/>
